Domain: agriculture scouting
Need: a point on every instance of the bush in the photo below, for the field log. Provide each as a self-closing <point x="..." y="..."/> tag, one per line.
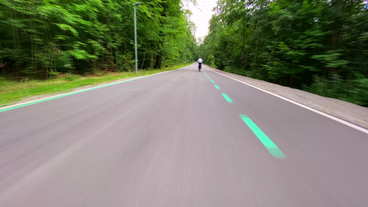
<point x="238" y="71"/>
<point x="355" y="91"/>
<point x="71" y="77"/>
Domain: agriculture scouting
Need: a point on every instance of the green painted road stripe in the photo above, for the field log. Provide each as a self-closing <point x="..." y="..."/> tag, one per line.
<point x="211" y="81"/>
<point x="267" y="142"/>
<point x="216" y="86"/>
<point x="227" y="98"/>
<point x="69" y="94"/>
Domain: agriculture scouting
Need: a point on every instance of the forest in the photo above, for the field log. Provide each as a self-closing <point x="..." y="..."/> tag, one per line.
<point x="320" y="46"/>
<point x="43" y="38"/>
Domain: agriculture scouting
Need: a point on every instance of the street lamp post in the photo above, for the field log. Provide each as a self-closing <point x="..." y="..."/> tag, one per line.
<point x="135" y="37"/>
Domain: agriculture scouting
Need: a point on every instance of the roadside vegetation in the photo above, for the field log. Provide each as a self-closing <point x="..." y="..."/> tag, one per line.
<point x="13" y="91"/>
<point x="56" y="45"/>
<point x="41" y="39"/>
<point x="320" y="46"/>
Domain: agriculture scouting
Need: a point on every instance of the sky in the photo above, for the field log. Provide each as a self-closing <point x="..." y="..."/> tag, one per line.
<point x="202" y="14"/>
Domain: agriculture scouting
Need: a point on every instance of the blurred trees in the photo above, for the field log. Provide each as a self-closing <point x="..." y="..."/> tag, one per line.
<point x="316" y="45"/>
<point x="46" y="37"/>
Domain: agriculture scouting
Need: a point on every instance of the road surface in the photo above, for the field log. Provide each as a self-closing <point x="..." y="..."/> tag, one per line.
<point x="179" y="139"/>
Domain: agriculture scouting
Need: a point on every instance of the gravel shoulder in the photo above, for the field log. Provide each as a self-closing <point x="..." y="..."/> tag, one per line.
<point x="350" y="112"/>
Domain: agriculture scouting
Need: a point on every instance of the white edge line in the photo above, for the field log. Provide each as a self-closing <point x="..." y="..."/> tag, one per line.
<point x="301" y="105"/>
<point x="82" y="90"/>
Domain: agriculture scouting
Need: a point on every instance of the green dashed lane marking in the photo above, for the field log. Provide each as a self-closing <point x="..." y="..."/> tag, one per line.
<point x="267" y="142"/>
<point x="216" y="86"/>
<point x="227" y="98"/>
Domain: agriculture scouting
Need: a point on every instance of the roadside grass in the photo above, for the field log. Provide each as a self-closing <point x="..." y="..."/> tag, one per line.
<point x="12" y="92"/>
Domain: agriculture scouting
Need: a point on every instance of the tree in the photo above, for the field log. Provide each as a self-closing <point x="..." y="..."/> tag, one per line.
<point x="293" y="43"/>
<point x="45" y="37"/>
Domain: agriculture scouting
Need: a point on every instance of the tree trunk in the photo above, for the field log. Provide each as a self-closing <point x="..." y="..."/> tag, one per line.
<point x="111" y="59"/>
<point x="246" y="58"/>
<point x="337" y="32"/>
<point x="255" y="54"/>
<point x="160" y="55"/>
<point x="116" y="57"/>
<point x="158" y="64"/>
<point x="1" y="59"/>
<point x="290" y="81"/>
<point x="14" y="30"/>
<point x="151" y="64"/>
<point x="144" y="56"/>
<point x="242" y="62"/>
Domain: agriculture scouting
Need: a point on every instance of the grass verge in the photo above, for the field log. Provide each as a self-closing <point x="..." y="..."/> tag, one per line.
<point x="12" y="92"/>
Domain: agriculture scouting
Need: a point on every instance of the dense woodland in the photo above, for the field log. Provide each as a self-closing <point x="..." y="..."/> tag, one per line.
<point x="316" y="45"/>
<point x="42" y="38"/>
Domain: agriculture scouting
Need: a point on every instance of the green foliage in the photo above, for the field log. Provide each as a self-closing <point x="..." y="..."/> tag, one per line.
<point x="332" y="59"/>
<point x="353" y="91"/>
<point x="43" y="37"/>
<point x="317" y="45"/>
